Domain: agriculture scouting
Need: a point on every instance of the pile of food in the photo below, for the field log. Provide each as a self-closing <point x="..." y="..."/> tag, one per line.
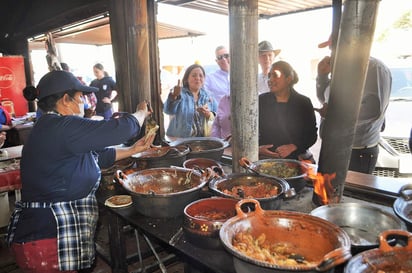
<point x="281" y="170"/>
<point x="257" y="190"/>
<point x="260" y="249"/>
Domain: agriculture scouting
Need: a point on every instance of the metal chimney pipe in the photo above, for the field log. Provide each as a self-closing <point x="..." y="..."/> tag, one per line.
<point x="357" y="28"/>
<point x="243" y="24"/>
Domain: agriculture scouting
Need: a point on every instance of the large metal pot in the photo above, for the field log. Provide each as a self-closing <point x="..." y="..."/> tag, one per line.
<point x="159" y="157"/>
<point x="206" y="147"/>
<point x="403" y="205"/>
<point x="108" y="174"/>
<point x="162" y="192"/>
<point x="386" y="258"/>
<point x="362" y="222"/>
<point x="301" y="237"/>
<point x="293" y="171"/>
<point x="227" y="187"/>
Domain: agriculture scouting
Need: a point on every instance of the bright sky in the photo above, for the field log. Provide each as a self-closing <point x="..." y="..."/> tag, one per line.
<point x="296" y="35"/>
<point x="289" y="33"/>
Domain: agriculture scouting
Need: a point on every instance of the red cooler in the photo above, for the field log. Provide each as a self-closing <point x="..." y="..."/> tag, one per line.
<point x="12" y="82"/>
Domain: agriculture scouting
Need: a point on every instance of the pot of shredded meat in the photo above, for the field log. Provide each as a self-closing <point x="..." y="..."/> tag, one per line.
<point x="162" y="192"/>
<point x="267" y="241"/>
<point x="270" y="191"/>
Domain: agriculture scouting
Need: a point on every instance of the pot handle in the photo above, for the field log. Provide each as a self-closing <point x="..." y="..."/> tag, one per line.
<point x="239" y="211"/>
<point x="334" y="258"/>
<point x="310" y="169"/>
<point x="214" y="172"/>
<point x="245" y="162"/>
<point x="383" y="241"/>
<point x="406" y="192"/>
<point x="119" y="177"/>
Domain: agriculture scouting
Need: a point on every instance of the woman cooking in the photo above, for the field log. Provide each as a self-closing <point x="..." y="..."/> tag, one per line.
<point x="287" y="124"/>
<point x="52" y="227"/>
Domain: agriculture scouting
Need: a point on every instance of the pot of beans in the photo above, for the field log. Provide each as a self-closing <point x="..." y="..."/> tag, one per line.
<point x="267" y="241"/>
<point x="293" y="171"/>
<point x="270" y="191"/>
<point x="203" y="219"/>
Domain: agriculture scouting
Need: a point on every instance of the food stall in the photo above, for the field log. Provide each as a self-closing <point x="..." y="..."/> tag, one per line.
<point x="169" y="232"/>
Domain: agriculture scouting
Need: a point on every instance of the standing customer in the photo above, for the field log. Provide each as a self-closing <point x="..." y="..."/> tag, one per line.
<point x="287" y="124"/>
<point x="218" y="83"/>
<point x="190" y="106"/>
<point x="107" y="91"/>
<point x="222" y="127"/>
<point x="371" y="118"/>
<point x="267" y="55"/>
<point x="52" y="227"/>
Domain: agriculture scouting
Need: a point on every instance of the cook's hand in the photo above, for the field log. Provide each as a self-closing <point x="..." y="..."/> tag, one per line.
<point x="324" y="66"/>
<point x="143" y="144"/>
<point x="285" y="150"/>
<point x="322" y="111"/>
<point x="204" y="110"/>
<point x="177" y="90"/>
<point x="265" y="150"/>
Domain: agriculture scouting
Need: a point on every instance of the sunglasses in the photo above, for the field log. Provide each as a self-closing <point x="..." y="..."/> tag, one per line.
<point x="220" y="57"/>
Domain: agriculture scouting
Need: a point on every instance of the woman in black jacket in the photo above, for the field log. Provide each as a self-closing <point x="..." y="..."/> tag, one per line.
<point x="287" y="123"/>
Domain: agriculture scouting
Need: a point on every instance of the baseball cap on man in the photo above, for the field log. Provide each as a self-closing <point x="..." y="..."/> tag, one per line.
<point x="267" y="46"/>
<point x="59" y="81"/>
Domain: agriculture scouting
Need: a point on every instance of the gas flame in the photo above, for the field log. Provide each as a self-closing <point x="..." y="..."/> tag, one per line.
<point x="323" y="187"/>
<point x="322" y="183"/>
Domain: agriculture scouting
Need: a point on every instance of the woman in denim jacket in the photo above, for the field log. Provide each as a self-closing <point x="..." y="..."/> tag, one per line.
<point x="191" y="107"/>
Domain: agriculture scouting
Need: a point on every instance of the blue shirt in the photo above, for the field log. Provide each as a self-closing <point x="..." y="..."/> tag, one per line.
<point x="106" y="85"/>
<point x="183" y="111"/>
<point x="218" y="84"/>
<point x="59" y="164"/>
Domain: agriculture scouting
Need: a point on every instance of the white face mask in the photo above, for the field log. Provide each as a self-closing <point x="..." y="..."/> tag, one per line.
<point x="81" y="108"/>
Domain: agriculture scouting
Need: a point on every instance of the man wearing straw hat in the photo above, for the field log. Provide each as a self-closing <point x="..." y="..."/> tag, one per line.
<point x="267" y="55"/>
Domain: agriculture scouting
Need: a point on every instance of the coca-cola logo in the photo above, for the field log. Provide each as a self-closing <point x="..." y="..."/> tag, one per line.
<point x="6" y="77"/>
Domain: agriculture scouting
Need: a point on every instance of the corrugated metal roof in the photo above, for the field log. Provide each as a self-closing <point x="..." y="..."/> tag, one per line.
<point x="266" y="8"/>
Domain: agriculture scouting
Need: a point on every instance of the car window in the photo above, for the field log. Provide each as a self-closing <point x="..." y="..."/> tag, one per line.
<point x="401" y="82"/>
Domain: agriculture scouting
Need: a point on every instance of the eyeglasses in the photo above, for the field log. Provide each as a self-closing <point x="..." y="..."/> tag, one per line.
<point x="220" y="57"/>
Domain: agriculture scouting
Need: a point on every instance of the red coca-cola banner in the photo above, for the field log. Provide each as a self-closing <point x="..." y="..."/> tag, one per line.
<point x="12" y="82"/>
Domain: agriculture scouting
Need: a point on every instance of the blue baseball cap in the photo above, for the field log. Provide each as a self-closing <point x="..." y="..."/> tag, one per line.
<point x="58" y="81"/>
